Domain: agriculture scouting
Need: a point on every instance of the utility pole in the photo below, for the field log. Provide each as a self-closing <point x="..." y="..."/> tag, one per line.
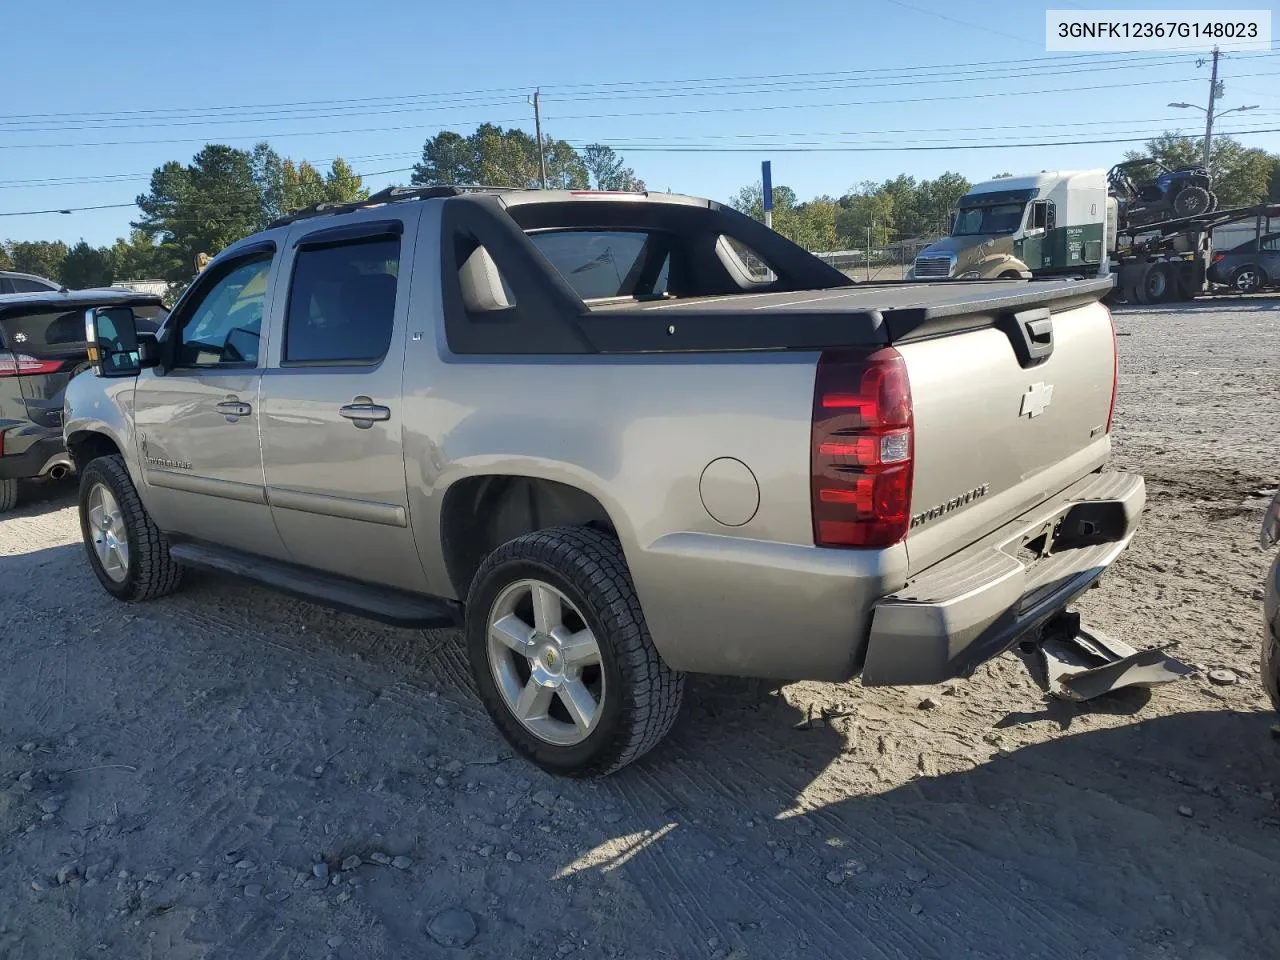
<point x="542" y="154"/>
<point x="766" y="201"/>
<point x="1208" y="117"/>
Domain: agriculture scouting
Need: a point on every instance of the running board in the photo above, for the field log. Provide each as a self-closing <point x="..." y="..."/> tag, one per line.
<point x="1080" y="664"/>
<point x="394" y="607"/>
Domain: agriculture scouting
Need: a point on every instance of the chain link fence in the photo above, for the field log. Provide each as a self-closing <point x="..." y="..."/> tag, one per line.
<point x="890" y="262"/>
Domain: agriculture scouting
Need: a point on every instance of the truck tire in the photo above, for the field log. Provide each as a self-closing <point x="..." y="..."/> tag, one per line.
<point x="128" y="553"/>
<point x="1192" y="201"/>
<point x="1271" y="670"/>
<point x="8" y="494"/>
<point x="1156" y="285"/>
<point x="561" y="655"/>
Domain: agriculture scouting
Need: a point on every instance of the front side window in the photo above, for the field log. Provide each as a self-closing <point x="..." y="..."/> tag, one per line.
<point x="342" y="302"/>
<point x="1042" y="215"/>
<point x="225" y="326"/>
<point x="999" y="218"/>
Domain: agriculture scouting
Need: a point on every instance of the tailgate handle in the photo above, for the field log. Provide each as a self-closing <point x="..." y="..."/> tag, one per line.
<point x="1041" y="330"/>
<point x="1031" y="333"/>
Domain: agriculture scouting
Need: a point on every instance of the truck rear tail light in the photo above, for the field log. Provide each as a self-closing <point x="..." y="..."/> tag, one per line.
<point x="21" y="365"/>
<point x="862" y="450"/>
<point x="1115" y="369"/>
<point x="1219" y="257"/>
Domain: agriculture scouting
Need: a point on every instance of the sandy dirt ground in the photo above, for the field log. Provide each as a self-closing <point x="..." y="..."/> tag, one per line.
<point x="228" y="773"/>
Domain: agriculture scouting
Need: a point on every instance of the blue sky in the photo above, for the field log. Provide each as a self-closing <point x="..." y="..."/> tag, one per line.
<point x="882" y="73"/>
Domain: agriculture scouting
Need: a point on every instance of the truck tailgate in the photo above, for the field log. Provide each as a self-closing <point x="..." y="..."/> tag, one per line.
<point x="997" y="433"/>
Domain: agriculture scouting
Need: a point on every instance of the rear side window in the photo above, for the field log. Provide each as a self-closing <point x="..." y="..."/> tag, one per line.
<point x="43" y="334"/>
<point x="747" y="260"/>
<point x="342" y="302"/>
<point x="23" y="285"/>
<point x="599" y="264"/>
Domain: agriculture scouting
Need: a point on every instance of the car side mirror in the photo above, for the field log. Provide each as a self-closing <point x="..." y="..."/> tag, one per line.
<point x="115" y="347"/>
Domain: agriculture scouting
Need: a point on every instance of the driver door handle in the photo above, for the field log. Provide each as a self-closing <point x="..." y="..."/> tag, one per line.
<point x="234" y="408"/>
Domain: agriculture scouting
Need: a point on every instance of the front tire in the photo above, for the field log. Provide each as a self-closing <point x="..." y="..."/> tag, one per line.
<point x="128" y="553"/>
<point x="561" y="655"/>
<point x="1192" y="201"/>
<point x="1271" y="670"/>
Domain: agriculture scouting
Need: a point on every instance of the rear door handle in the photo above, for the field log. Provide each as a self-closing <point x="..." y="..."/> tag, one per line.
<point x="363" y="412"/>
<point x="232" y="409"/>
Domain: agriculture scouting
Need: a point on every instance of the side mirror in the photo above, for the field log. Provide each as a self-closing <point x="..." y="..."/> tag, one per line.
<point x="115" y="347"/>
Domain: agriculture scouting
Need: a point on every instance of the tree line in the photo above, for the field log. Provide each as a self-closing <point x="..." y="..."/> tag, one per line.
<point x="225" y="193"/>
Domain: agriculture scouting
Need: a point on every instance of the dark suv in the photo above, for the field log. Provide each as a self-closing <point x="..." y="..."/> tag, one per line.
<point x="11" y="282"/>
<point x="41" y="348"/>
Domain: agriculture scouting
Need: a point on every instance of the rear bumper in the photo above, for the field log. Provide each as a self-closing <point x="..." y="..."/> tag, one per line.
<point x="973" y="606"/>
<point x="32" y="452"/>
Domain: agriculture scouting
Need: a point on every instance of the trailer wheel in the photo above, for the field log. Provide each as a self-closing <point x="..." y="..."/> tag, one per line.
<point x="1155" y="285"/>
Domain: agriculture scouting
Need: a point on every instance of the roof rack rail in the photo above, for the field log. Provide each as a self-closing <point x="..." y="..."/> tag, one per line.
<point x="388" y="195"/>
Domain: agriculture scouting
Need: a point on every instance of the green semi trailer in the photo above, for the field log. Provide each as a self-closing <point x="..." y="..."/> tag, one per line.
<point x="1065" y="223"/>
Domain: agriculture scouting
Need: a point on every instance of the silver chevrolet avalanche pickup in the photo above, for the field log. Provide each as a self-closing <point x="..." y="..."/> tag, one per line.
<point x="617" y="437"/>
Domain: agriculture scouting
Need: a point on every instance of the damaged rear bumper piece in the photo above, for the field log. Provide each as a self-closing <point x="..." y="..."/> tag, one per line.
<point x="1079" y="664"/>
<point x="1004" y="589"/>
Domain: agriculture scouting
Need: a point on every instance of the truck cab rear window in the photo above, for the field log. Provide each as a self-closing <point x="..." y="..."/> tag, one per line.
<point x="342" y="302"/>
<point x="600" y="264"/>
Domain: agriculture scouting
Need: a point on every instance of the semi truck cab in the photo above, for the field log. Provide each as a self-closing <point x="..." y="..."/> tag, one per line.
<point x="1016" y="227"/>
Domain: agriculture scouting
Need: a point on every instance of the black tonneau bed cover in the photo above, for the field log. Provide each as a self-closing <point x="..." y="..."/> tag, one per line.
<point x="867" y="314"/>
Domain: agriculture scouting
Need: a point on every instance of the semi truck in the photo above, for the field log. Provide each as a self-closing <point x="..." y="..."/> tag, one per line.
<point x="1067" y="223"/>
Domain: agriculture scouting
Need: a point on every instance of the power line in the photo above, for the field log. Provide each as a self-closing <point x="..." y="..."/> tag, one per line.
<point x="410" y="104"/>
<point x="963" y="23"/>
<point x="775" y="148"/>
<point x="988" y="70"/>
<point x="888" y="148"/>
<point x="620" y="115"/>
<point x="624" y="144"/>
<point x="213" y="197"/>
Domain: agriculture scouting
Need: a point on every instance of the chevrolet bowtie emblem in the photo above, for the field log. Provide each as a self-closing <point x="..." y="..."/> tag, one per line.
<point x="1036" y="399"/>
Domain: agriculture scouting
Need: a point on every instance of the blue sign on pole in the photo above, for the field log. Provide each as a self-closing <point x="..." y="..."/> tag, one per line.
<point x="766" y="173"/>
